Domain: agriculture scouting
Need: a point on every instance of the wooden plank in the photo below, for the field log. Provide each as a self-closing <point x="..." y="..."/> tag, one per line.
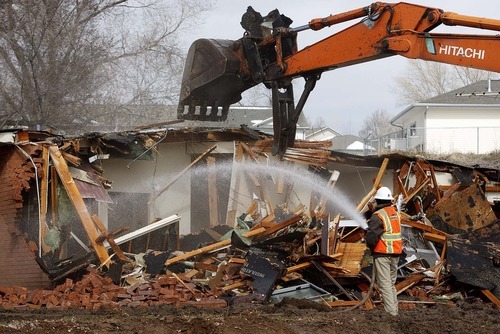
<point x="450" y="191"/>
<point x="298" y="267"/>
<point x="182" y="172"/>
<point x="279" y="226"/>
<point x="417" y="190"/>
<point x="213" y="206"/>
<point x="77" y="200"/>
<point x="491" y="297"/>
<point x="409" y="282"/>
<point x="331" y="184"/>
<point x="250" y="152"/>
<point x="342" y="303"/>
<point x="44" y="189"/>
<point x="232" y="205"/>
<point x="435" y="185"/>
<point x="110" y="239"/>
<point x="234" y="286"/>
<point x="421" y="226"/>
<point x="435" y="237"/>
<point x="376" y="183"/>
<point x="209" y="248"/>
<point x="53" y="195"/>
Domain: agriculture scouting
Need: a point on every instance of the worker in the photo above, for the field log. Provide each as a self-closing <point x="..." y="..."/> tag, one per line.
<point x="383" y="237"/>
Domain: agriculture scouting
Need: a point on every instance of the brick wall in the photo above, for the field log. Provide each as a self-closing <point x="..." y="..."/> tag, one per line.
<point x="17" y="257"/>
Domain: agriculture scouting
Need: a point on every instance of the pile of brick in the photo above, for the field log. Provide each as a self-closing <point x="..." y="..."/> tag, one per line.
<point x="95" y="291"/>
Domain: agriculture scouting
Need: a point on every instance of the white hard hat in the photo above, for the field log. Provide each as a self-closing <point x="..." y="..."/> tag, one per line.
<point x="383" y="193"/>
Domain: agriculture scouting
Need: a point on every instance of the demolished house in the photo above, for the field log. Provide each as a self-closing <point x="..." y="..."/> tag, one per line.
<point x="211" y="218"/>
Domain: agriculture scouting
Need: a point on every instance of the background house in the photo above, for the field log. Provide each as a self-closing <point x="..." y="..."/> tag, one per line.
<point x="465" y="120"/>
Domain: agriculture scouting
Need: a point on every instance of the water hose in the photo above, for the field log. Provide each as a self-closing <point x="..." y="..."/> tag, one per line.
<point x="368" y="293"/>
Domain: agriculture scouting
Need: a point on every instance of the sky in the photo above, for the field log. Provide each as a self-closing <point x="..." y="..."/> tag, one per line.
<point x="343" y="98"/>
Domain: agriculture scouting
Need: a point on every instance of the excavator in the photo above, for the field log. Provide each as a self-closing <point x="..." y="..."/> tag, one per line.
<point x="217" y="71"/>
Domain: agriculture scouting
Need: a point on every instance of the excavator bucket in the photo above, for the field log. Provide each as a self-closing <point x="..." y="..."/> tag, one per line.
<point x="212" y="80"/>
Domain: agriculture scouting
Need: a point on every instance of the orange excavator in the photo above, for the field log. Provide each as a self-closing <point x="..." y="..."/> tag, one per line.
<point x="218" y="71"/>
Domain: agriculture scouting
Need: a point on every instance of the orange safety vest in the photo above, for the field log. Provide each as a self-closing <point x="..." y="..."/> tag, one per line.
<point x="390" y="242"/>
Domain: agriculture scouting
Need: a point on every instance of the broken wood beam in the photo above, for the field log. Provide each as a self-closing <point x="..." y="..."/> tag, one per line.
<point x="279" y="226"/>
<point x="416" y="191"/>
<point x="77" y="200"/>
<point x="409" y="282"/>
<point x="108" y="237"/>
<point x="209" y="248"/>
<point x="182" y="172"/>
<point x="435" y="237"/>
<point x="298" y="267"/>
<point x="376" y="184"/>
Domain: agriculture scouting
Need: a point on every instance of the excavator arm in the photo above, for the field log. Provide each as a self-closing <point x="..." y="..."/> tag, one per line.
<point x="218" y="71"/>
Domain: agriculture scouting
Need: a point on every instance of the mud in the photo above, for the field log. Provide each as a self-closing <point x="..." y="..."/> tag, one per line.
<point x="290" y="317"/>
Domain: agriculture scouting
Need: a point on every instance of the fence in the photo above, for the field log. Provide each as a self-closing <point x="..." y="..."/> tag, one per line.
<point x="477" y="140"/>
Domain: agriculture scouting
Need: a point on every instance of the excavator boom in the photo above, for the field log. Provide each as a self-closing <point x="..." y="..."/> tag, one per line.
<point x="218" y="71"/>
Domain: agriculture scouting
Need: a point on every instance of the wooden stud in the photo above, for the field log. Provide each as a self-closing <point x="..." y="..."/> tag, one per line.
<point x="77" y="200"/>
<point x="182" y="172"/>
<point x="213" y="247"/>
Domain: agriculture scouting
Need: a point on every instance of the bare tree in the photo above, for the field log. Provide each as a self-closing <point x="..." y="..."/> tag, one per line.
<point x="425" y="79"/>
<point x="60" y="59"/>
<point x="378" y="124"/>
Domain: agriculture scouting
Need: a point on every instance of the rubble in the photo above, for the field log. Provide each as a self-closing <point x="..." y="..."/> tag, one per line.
<point x="450" y="233"/>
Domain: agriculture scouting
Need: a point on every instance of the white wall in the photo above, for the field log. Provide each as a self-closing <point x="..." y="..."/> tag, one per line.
<point x="153" y="176"/>
<point x="464" y="130"/>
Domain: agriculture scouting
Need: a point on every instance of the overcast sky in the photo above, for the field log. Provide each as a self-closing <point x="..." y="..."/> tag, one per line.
<point x="343" y="98"/>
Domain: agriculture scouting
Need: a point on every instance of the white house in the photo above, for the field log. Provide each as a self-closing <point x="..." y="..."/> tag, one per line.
<point x="465" y="120"/>
<point x="325" y="133"/>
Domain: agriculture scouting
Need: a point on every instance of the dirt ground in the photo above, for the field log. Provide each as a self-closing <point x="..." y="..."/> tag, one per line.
<point x="290" y="317"/>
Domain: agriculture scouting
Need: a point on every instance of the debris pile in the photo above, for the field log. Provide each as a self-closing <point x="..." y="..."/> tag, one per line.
<point x="276" y="250"/>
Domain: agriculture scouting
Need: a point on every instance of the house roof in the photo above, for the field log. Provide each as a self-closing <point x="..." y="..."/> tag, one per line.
<point x="342" y="142"/>
<point x="105" y="118"/>
<point x="325" y="131"/>
<point x="482" y="93"/>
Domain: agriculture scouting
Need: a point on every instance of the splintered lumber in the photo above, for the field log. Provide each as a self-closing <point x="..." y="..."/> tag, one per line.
<point x="77" y="200"/>
<point x="109" y="237"/>
<point x="183" y="172"/>
<point x="75" y="161"/>
<point x="376" y="183"/>
<point x="212" y="247"/>
<point x="233" y="194"/>
<point x="279" y="226"/>
<point x="416" y="191"/>
<point x="331" y="184"/>
<point x="409" y="282"/>
<point x="250" y="152"/>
